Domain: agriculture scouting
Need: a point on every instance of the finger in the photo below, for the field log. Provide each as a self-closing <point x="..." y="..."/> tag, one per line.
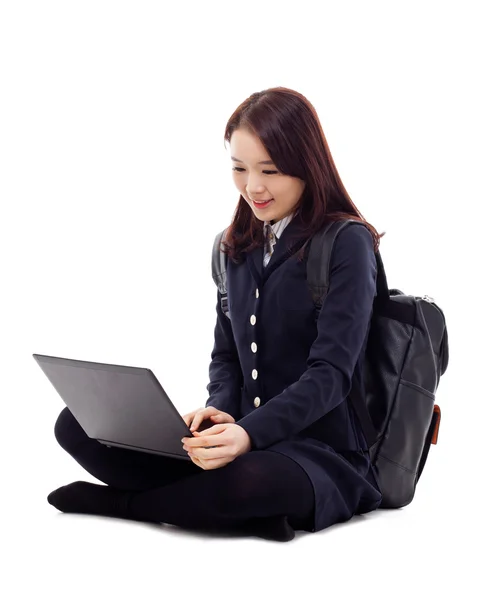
<point x="206" y="450"/>
<point x="221" y="419"/>
<point x="196" y="421"/>
<point x="197" y="462"/>
<point x="208" y="454"/>
<point x="195" y="459"/>
<point x="211" y="439"/>
<point x="188" y="442"/>
<point x="189" y="417"/>
<point x="200" y="416"/>
<point x="215" y="463"/>
<point x="212" y="449"/>
<point x="214" y="430"/>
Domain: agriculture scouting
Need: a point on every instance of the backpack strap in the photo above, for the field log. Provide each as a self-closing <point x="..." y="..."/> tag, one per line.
<point x="319" y="258"/>
<point x="318" y="269"/>
<point x="218" y="269"/>
<point x="318" y="266"/>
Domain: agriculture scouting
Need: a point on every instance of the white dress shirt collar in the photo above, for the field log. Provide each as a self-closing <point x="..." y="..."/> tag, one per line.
<point x="279" y="226"/>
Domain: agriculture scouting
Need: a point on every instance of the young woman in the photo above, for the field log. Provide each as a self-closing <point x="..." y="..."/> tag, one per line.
<point x="283" y="449"/>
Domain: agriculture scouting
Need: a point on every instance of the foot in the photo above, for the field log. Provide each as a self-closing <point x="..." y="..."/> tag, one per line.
<point x="89" y="498"/>
<point x="275" y="528"/>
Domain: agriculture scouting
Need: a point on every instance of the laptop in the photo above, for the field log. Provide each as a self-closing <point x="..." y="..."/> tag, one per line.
<point x="119" y="405"/>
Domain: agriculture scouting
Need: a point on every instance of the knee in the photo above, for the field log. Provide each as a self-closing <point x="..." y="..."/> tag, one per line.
<point x="66" y="429"/>
<point x="243" y="481"/>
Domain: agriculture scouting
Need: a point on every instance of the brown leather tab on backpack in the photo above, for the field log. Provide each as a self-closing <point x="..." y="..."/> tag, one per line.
<point x="435" y="433"/>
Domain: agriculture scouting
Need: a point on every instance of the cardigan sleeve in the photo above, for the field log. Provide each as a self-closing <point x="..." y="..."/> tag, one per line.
<point x="226" y="377"/>
<point x="342" y="326"/>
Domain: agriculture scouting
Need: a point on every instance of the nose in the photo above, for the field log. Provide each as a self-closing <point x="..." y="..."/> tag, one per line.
<point x="255" y="185"/>
<point x="255" y="190"/>
<point x="254" y="196"/>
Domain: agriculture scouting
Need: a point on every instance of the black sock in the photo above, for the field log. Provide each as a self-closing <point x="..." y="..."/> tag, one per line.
<point x="275" y="528"/>
<point x="89" y="498"/>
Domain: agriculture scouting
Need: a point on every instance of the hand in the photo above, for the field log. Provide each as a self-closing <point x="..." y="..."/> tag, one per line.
<point x="217" y="446"/>
<point x="194" y="419"/>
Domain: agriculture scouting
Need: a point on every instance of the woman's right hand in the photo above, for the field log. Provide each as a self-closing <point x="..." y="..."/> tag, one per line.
<point x="196" y="417"/>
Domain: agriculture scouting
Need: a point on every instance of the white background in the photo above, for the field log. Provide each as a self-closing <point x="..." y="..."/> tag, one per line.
<point x="112" y="117"/>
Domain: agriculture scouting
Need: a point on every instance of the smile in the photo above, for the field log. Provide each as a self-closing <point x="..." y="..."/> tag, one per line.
<point x="263" y="204"/>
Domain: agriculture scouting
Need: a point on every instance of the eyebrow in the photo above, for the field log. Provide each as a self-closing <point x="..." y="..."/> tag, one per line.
<point x="261" y="162"/>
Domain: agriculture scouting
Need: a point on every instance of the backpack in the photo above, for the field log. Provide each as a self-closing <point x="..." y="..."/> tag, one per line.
<point x="407" y="352"/>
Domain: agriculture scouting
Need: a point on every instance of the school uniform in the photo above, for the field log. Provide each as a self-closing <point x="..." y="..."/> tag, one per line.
<point x="285" y="380"/>
<point x="285" y="377"/>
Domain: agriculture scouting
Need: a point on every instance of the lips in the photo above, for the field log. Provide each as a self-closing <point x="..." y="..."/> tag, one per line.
<point x="263" y="204"/>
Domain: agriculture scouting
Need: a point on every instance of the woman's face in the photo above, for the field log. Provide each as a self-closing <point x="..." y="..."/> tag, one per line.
<point x="257" y="181"/>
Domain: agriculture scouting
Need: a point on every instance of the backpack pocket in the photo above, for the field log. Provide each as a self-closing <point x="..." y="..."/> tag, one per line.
<point x="399" y="456"/>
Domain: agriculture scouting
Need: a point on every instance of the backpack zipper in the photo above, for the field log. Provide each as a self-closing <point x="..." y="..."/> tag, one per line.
<point x="433" y="302"/>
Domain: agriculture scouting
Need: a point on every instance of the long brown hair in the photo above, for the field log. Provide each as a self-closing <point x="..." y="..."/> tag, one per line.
<point x="288" y="126"/>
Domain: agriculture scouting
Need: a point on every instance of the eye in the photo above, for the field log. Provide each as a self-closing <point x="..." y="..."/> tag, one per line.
<point x="240" y="169"/>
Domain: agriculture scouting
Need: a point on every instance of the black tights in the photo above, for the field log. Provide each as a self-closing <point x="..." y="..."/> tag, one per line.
<point x="256" y="485"/>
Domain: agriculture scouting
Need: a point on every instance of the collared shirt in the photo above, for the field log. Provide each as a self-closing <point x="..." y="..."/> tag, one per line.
<point x="273" y="233"/>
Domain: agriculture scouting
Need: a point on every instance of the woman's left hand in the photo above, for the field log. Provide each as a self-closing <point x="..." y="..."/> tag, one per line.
<point x="231" y="441"/>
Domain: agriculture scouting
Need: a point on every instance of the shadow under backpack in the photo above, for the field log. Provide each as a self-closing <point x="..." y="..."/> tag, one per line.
<point x="407" y="352"/>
